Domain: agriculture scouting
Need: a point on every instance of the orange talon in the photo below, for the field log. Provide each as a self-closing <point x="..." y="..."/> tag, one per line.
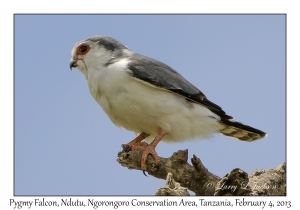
<point x="137" y="144"/>
<point x="151" y="150"/>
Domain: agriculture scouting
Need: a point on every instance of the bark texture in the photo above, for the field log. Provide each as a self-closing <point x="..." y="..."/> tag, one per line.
<point x="198" y="179"/>
<point x="172" y="188"/>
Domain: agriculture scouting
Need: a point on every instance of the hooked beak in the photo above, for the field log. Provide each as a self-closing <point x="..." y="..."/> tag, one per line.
<point x="73" y="64"/>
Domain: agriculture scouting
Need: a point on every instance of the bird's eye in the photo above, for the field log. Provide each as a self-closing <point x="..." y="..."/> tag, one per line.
<point x="83" y="49"/>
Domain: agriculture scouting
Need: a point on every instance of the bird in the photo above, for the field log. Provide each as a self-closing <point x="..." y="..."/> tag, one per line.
<point x="149" y="98"/>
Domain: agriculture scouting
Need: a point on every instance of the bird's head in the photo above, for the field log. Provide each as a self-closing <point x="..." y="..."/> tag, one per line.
<point x="94" y="52"/>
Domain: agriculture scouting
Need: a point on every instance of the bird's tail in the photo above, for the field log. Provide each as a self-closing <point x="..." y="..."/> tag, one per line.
<point x="241" y="131"/>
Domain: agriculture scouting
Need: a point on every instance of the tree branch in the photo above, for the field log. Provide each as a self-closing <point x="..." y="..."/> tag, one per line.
<point x="198" y="179"/>
<point x="172" y="188"/>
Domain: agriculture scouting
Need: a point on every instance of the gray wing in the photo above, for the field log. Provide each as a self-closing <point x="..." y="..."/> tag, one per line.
<point x="163" y="76"/>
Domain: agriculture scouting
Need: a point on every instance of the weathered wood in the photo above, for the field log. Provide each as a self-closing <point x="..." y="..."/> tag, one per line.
<point x="198" y="179"/>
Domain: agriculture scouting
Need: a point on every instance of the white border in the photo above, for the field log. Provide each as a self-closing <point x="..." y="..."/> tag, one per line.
<point x="154" y="6"/>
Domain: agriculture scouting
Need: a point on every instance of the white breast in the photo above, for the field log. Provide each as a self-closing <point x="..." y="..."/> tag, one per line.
<point x="140" y="107"/>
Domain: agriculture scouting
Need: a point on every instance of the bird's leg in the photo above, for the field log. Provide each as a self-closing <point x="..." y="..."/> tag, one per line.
<point x="150" y="149"/>
<point x="136" y="144"/>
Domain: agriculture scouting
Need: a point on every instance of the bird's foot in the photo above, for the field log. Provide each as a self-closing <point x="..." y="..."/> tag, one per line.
<point x="137" y="144"/>
<point x="150" y="149"/>
<point x="147" y="149"/>
<point x="134" y="146"/>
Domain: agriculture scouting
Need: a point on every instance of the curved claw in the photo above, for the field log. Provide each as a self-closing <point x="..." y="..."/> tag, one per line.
<point x="126" y="147"/>
<point x="149" y="150"/>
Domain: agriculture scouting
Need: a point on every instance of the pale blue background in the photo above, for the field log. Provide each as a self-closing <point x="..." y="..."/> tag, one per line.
<point x="66" y="145"/>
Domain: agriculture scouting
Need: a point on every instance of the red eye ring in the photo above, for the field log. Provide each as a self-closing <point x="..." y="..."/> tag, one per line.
<point x="83" y="49"/>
